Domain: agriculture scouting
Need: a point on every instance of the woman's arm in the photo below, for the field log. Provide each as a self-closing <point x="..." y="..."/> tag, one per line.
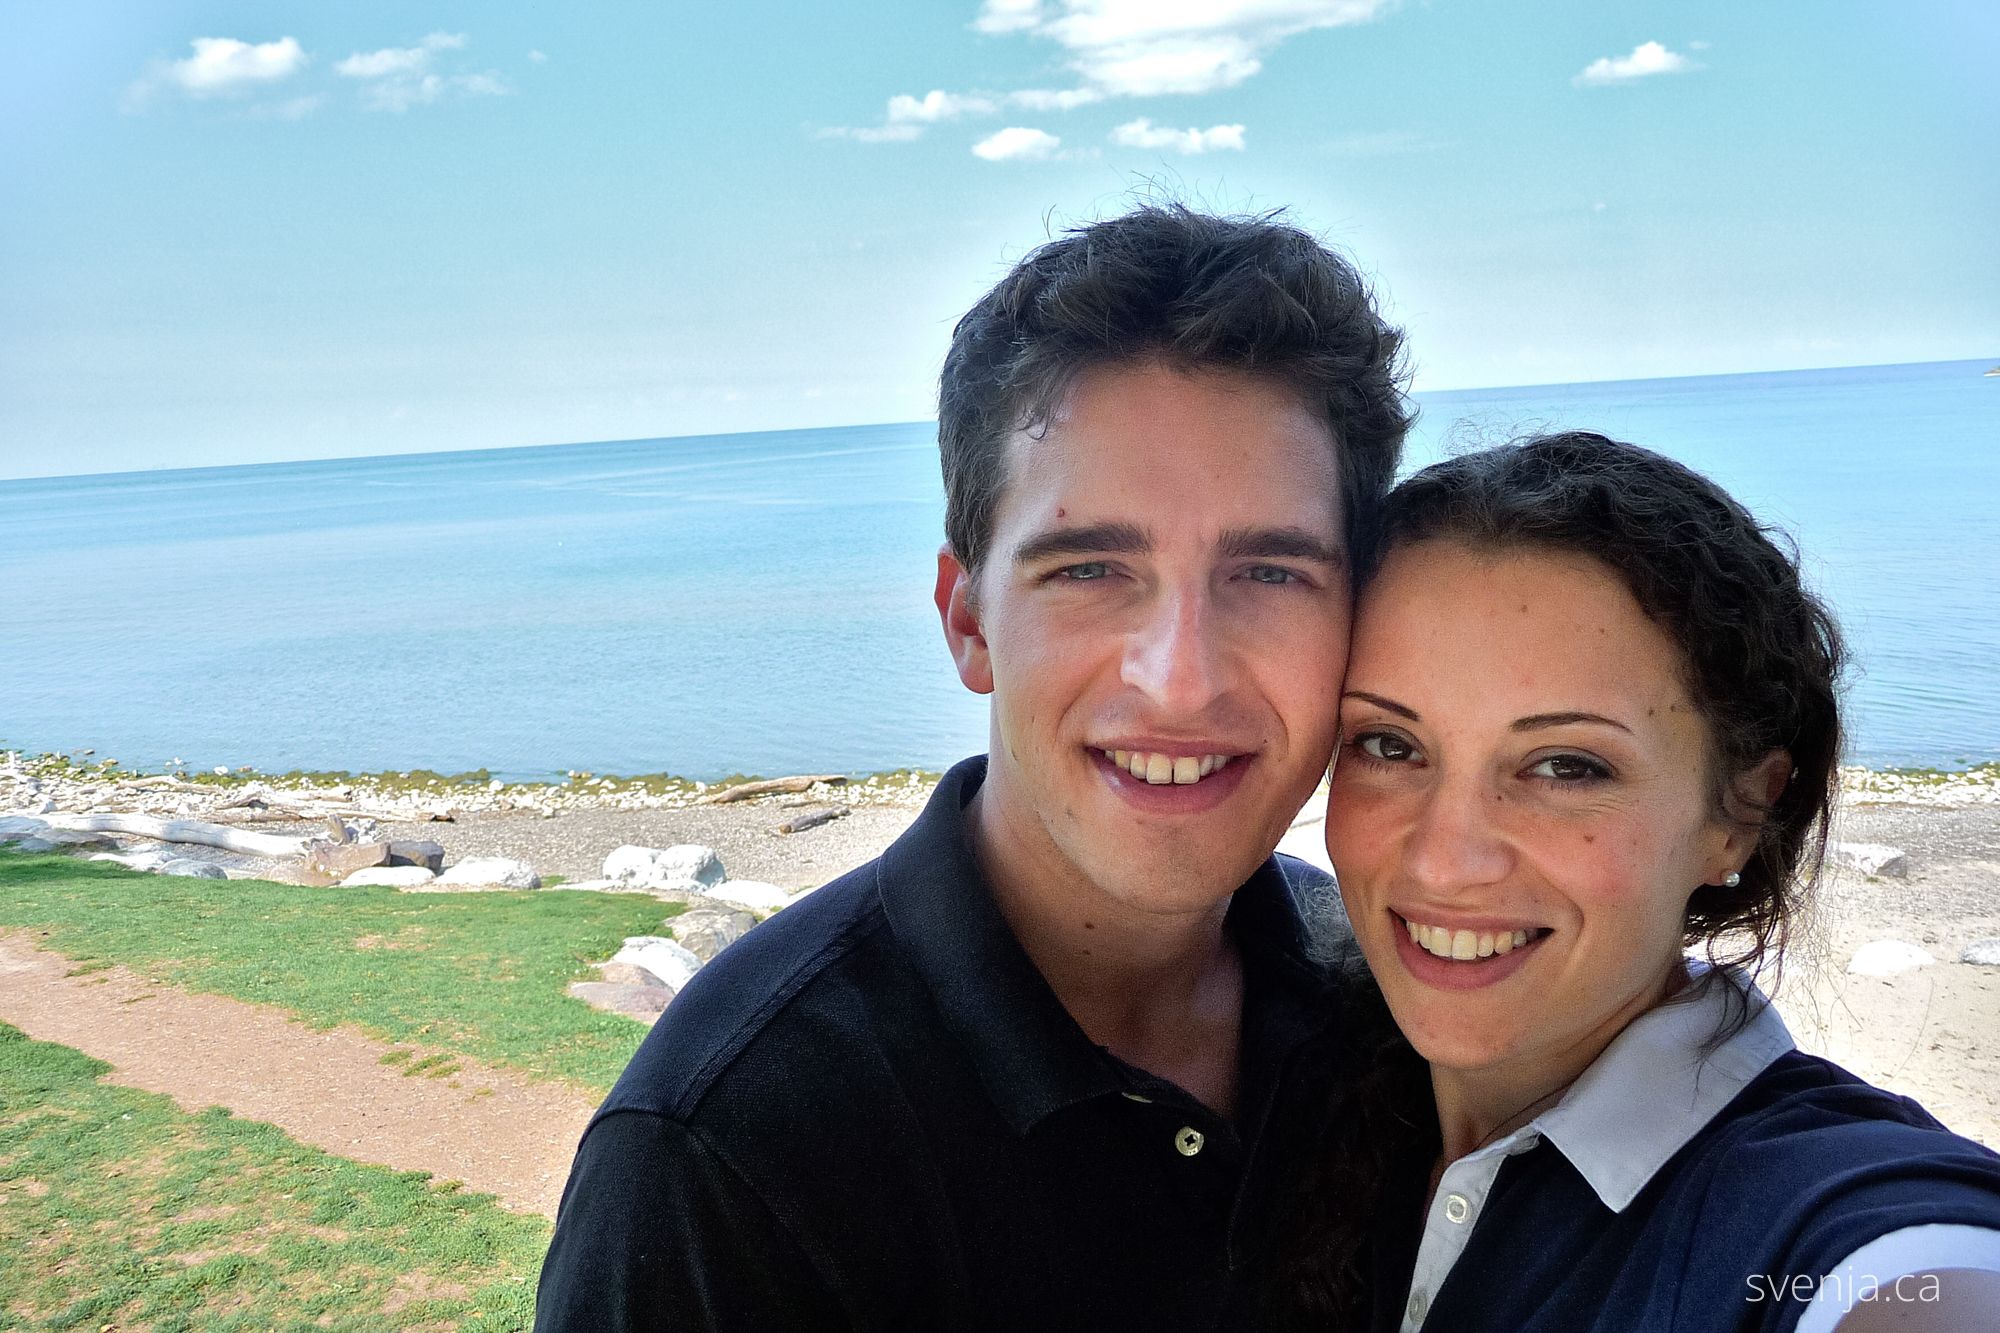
<point x="1925" y="1279"/>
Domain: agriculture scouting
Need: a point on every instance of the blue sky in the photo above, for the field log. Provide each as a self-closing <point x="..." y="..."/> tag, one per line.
<point x="250" y="232"/>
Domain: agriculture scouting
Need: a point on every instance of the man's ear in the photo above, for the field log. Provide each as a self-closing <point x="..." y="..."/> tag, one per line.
<point x="957" y="609"/>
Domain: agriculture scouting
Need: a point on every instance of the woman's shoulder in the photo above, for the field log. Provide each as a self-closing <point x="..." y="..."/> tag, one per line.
<point x="1823" y="1162"/>
<point x="1807" y="1106"/>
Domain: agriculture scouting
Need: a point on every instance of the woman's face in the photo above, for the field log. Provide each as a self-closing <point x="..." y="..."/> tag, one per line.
<point x="1521" y="804"/>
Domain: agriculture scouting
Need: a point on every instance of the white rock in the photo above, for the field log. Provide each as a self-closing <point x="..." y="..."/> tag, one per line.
<point x="136" y="861"/>
<point x="707" y="931"/>
<point x="20" y="826"/>
<point x="1887" y="958"/>
<point x="688" y="866"/>
<point x="193" y="869"/>
<point x="752" y="894"/>
<point x="1869" y="858"/>
<point x="498" y="871"/>
<point x="666" y="959"/>
<point x="1985" y="953"/>
<point x="395" y="877"/>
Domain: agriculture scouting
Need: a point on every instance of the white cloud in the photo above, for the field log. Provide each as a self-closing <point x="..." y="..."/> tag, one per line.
<point x="538" y="57"/>
<point x="1142" y="133"/>
<point x="391" y="61"/>
<point x="1055" y="99"/>
<point x="1008" y="15"/>
<point x="936" y="105"/>
<point x="222" y="65"/>
<point x="397" y="78"/>
<point x="873" y="133"/>
<point x="1131" y="48"/>
<point x="1646" y="58"/>
<point x="1017" y="143"/>
<point x="1140" y="48"/>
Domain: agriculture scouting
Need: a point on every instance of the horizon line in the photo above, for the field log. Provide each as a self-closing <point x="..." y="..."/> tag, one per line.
<point x="865" y="425"/>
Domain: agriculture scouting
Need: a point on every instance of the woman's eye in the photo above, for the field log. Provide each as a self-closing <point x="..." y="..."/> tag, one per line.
<point x="1570" y="768"/>
<point x="1383" y="746"/>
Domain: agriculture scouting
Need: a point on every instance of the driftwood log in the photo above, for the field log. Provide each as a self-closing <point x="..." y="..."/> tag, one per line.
<point x="182" y="830"/>
<point x="745" y="791"/>
<point x="812" y="819"/>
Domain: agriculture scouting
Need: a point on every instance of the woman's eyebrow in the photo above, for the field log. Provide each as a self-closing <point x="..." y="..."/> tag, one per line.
<point x="1539" y="721"/>
<point x="1390" y="705"/>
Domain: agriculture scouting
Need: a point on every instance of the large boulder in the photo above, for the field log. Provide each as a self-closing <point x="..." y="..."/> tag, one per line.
<point x="338" y="860"/>
<point x="394" y="877"/>
<point x="707" y="931"/>
<point x="752" y="894"/>
<point x="1887" y="958"/>
<point x="645" y="1003"/>
<point x="666" y="959"/>
<point x="152" y="860"/>
<point x="1869" y="858"/>
<point x="497" y="872"/>
<point x="687" y="867"/>
<point x="13" y="828"/>
<point x="627" y="974"/>
<point x="189" y="866"/>
<point x="417" y="852"/>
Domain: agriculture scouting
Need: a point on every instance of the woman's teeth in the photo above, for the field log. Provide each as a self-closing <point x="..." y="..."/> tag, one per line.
<point x="1160" y="769"/>
<point x="1464" y="945"/>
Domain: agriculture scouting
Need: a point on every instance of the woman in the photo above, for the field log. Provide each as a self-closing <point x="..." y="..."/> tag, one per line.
<point x="1587" y="754"/>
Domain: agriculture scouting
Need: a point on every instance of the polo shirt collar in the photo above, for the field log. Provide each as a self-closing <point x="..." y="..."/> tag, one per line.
<point x="1031" y="1056"/>
<point x="1654" y="1088"/>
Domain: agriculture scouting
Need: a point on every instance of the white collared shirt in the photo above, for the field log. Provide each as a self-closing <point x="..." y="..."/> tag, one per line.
<point x="1639" y="1103"/>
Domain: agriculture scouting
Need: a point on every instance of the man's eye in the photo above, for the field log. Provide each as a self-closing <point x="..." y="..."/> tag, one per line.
<point x="1271" y="574"/>
<point x="1090" y="569"/>
<point x="1571" y="768"/>
<point x="1382" y="745"/>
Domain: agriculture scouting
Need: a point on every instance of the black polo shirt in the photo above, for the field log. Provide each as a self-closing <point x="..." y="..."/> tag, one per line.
<point x="873" y="1113"/>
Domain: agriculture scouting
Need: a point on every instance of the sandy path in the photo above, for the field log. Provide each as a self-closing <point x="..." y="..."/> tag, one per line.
<point x="496" y="1131"/>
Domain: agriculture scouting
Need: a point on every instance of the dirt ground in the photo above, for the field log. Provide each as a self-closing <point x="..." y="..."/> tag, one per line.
<point x="492" y="1129"/>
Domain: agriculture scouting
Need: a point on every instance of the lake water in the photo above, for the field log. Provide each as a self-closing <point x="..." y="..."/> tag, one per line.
<point x="761" y="603"/>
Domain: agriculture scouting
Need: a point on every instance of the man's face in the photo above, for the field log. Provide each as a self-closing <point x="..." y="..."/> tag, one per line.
<point x="1162" y="621"/>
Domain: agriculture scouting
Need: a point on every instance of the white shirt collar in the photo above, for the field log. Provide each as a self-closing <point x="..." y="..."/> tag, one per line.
<point x="1654" y="1088"/>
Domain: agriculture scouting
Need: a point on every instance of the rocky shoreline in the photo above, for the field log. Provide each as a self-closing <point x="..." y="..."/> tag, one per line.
<point x="1885" y="977"/>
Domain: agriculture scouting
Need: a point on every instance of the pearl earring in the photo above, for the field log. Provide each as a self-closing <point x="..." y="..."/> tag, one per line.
<point x="1731" y="880"/>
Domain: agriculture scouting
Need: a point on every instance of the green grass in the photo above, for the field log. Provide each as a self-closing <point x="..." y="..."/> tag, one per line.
<point x="459" y="974"/>
<point x="118" y="1210"/>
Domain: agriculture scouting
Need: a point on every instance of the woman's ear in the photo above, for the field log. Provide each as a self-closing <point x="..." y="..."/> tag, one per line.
<point x="1751" y="795"/>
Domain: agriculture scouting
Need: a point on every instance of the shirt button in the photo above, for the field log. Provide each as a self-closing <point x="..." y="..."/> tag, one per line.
<point x="1415" y="1309"/>
<point x="1188" y="1142"/>
<point x="1457" y="1208"/>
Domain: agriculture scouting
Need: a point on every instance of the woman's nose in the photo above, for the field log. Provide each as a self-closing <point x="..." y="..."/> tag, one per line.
<point x="1455" y="840"/>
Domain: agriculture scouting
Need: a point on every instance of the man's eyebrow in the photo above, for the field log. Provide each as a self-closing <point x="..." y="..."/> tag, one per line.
<point x="1281" y="544"/>
<point x="1539" y="721"/>
<point x="1388" y="705"/>
<point x="1095" y="539"/>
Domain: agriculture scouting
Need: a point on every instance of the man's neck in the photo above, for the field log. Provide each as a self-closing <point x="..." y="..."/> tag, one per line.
<point x="1162" y="991"/>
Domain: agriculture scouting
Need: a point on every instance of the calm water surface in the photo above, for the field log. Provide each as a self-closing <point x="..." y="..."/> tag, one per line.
<point x="761" y="603"/>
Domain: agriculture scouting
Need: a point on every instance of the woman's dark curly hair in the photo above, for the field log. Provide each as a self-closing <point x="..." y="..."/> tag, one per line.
<point x="1761" y="659"/>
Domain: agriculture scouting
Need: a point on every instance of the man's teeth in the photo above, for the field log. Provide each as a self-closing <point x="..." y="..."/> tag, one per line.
<point x="1160" y="769"/>
<point x="1465" y="945"/>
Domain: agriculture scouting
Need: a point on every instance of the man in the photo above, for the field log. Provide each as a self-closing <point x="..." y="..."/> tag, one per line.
<point x="1028" y="1069"/>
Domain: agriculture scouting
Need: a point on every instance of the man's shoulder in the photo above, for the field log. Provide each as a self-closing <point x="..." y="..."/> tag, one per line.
<point x="760" y="997"/>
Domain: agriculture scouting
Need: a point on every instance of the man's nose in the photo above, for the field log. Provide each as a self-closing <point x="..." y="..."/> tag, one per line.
<point x="1176" y="656"/>
<point x="1455" y="841"/>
